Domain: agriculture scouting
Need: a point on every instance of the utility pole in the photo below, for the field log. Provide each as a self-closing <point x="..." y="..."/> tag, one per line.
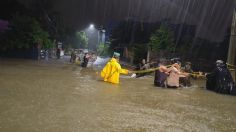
<point x="232" y="46"/>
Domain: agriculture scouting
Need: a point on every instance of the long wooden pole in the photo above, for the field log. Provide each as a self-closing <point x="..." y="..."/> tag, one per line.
<point x="232" y="46"/>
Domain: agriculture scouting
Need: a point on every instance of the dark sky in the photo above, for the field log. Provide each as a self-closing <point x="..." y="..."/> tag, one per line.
<point x="212" y="17"/>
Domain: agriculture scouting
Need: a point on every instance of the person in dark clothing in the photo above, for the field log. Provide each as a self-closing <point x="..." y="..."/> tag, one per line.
<point x="72" y="57"/>
<point x="161" y="75"/>
<point x="58" y="53"/>
<point x="188" y="67"/>
<point x="186" y="81"/>
<point x="220" y="80"/>
<point x="143" y="66"/>
<point x="85" y="60"/>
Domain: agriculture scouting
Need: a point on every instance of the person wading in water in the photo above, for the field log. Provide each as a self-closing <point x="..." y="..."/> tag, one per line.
<point x="220" y="80"/>
<point x="111" y="72"/>
<point x="175" y="74"/>
<point x="161" y="74"/>
<point x="85" y="60"/>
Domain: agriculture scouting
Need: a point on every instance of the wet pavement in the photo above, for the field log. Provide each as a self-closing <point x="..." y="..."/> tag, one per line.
<point x="61" y="97"/>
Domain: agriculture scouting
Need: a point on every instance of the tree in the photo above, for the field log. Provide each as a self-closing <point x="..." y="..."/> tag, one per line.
<point x="49" y="19"/>
<point x="140" y="52"/>
<point x="9" y="7"/>
<point x="162" y="40"/>
<point x="130" y="32"/>
<point x="103" y="49"/>
<point x="25" y="32"/>
<point x="82" y="39"/>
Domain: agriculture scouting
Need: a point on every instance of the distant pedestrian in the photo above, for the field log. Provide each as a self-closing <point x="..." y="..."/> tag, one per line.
<point x="58" y="53"/>
<point x="46" y="55"/>
<point x="143" y="65"/>
<point x="85" y="60"/>
<point x="72" y="57"/>
<point x="186" y="81"/>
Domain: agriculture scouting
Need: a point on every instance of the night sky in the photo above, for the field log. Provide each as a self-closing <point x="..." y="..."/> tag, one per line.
<point x="212" y="17"/>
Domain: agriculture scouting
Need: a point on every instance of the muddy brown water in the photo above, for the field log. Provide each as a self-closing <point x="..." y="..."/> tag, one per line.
<point x="59" y="97"/>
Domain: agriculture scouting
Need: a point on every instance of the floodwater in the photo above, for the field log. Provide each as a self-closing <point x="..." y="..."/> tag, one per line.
<point x="60" y="97"/>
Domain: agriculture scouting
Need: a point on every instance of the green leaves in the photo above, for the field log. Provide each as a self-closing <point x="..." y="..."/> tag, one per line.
<point x="82" y="39"/>
<point x="162" y="39"/>
<point x="140" y="52"/>
<point x="25" y="33"/>
<point x="103" y="49"/>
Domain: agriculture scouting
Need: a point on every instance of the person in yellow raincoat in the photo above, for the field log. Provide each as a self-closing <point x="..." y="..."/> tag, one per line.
<point x="111" y="72"/>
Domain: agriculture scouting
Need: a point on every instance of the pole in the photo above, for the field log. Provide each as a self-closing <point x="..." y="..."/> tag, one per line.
<point x="232" y="46"/>
<point x="148" y="55"/>
<point x="98" y="39"/>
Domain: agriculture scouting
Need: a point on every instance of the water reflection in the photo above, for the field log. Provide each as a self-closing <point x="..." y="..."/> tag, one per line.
<point x="61" y="97"/>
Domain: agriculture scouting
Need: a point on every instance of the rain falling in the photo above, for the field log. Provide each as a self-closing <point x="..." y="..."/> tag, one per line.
<point x="117" y="65"/>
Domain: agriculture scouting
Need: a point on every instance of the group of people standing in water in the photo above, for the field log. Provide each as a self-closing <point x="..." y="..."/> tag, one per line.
<point x="175" y="76"/>
<point x="219" y="80"/>
<point x="82" y="58"/>
<point x="172" y="76"/>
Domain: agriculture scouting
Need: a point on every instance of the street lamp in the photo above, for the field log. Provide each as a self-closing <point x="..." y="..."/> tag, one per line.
<point x="92" y="30"/>
<point x="91" y="26"/>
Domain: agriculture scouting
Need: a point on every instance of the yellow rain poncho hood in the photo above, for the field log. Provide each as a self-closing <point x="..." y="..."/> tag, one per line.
<point x="111" y="72"/>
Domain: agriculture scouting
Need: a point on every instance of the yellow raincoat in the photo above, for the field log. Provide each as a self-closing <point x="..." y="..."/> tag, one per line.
<point x="111" y="72"/>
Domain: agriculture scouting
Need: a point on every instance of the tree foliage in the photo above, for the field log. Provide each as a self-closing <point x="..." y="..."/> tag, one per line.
<point x="140" y="52"/>
<point x="103" y="49"/>
<point x="82" y="39"/>
<point x="162" y="39"/>
<point x="128" y="33"/>
<point x="25" y="32"/>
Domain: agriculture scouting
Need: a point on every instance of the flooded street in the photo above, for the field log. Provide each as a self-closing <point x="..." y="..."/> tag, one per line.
<point x="48" y="97"/>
